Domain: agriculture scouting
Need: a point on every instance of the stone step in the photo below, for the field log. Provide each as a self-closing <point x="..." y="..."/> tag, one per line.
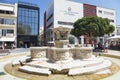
<point x="70" y="65"/>
<point x="106" y="71"/>
<point x="30" y="69"/>
<point x="87" y="63"/>
<point x="93" y="69"/>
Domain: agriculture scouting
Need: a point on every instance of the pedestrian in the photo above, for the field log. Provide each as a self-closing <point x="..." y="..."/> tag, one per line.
<point x="5" y="45"/>
<point x="13" y="46"/>
<point x="95" y="46"/>
<point x="106" y="47"/>
<point x="25" y="45"/>
<point x="100" y="46"/>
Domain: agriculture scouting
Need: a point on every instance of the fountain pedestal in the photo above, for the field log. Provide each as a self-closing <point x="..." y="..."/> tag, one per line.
<point x="60" y="52"/>
<point x="61" y="43"/>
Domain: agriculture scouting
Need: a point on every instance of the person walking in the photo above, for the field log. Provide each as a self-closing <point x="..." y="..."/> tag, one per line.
<point x="5" y="46"/>
<point x="106" y="47"/>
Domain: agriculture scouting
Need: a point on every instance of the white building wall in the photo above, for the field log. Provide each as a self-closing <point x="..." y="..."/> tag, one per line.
<point x="107" y="13"/>
<point x="67" y="11"/>
<point x="8" y="7"/>
<point x="49" y="11"/>
<point x="6" y="26"/>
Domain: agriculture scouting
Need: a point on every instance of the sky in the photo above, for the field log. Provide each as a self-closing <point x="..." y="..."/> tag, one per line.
<point x="43" y="4"/>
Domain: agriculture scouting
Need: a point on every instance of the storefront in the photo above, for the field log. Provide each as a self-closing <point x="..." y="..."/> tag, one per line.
<point x="7" y="42"/>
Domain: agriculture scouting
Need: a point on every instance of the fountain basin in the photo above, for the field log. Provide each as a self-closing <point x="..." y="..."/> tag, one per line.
<point x="81" y="52"/>
<point x="60" y="54"/>
<point x="38" y="52"/>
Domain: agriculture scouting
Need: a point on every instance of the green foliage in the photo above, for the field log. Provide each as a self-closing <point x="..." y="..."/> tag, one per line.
<point x="93" y="26"/>
<point x="71" y="40"/>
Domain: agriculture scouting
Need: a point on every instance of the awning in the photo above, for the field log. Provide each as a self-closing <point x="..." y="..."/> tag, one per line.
<point x="7" y="39"/>
<point x="51" y="42"/>
<point x="115" y="37"/>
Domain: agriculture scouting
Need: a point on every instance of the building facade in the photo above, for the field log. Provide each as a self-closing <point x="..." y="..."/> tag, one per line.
<point x="65" y="15"/>
<point x="19" y="24"/>
<point x="8" y="24"/>
<point x="28" y="25"/>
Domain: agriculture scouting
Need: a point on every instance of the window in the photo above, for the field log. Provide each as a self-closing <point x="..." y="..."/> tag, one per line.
<point x="100" y="11"/>
<point x="0" y="32"/>
<point x="10" y="31"/>
<point x="1" y="21"/>
<point x="1" y="11"/>
<point x="33" y="13"/>
<point x="36" y="14"/>
<point x="50" y="25"/>
<point x="6" y="12"/>
<point x="30" y="20"/>
<point x="11" y="12"/>
<point x="3" y="32"/>
<point x="65" y="23"/>
<point x="7" y="21"/>
<point x="49" y="17"/>
<point x="111" y="20"/>
<point x="108" y="13"/>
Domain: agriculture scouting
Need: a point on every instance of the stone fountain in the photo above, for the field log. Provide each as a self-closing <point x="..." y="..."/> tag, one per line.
<point x="63" y="58"/>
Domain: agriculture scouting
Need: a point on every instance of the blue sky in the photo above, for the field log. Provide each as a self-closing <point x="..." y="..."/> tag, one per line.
<point x="112" y="4"/>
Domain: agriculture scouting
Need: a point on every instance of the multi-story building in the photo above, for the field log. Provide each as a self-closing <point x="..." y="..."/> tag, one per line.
<point x="8" y="23"/>
<point x="66" y="12"/>
<point x="19" y="24"/>
<point x="28" y="24"/>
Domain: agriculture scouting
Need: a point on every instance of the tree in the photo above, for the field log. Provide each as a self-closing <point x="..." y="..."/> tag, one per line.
<point x="71" y="40"/>
<point x="92" y="26"/>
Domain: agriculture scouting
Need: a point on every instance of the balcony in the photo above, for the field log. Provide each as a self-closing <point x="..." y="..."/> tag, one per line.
<point x="7" y="26"/>
<point x="8" y="15"/>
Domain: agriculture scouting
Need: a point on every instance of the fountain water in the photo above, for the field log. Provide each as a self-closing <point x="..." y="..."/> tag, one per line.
<point x="64" y="59"/>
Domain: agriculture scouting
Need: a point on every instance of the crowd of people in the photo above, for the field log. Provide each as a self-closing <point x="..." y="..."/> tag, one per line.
<point x="115" y="45"/>
<point x="101" y="47"/>
<point x="5" y="46"/>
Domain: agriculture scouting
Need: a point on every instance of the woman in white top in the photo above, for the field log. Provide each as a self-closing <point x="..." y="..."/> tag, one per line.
<point x="106" y="47"/>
